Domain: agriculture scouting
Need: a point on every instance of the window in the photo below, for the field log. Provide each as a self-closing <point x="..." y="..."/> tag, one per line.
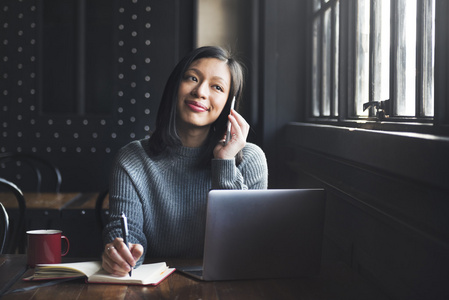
<point x="325" y="59"/>
<point x="372" y="59"/>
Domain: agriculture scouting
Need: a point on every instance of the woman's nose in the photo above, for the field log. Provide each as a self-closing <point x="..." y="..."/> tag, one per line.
<point x="200" y="90"/>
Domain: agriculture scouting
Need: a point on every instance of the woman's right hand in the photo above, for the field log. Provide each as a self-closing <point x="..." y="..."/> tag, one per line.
<point x="118" y="259"/>
<point x="239" y="134"/>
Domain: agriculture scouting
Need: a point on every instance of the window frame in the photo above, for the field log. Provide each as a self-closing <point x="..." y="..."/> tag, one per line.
<point x="438" y="124"/>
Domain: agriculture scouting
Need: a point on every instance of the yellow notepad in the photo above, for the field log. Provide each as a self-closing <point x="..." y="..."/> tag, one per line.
<point x="146" y="274"/>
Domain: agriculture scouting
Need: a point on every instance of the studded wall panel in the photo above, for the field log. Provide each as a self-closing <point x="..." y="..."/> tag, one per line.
<point x="148" y="39"/>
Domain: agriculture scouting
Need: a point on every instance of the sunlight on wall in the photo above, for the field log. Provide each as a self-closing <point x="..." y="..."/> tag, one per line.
<point x="217" y="24"/>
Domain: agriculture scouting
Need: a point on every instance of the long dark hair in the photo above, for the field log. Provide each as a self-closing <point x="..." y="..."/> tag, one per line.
<point x="165" y="138"/>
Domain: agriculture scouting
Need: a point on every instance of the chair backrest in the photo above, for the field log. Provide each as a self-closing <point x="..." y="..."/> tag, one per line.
<point x="35" y="163"/>
<point x="18" y="226"/>
<point x="4" y="229"/>
<point x="99" y="208"/>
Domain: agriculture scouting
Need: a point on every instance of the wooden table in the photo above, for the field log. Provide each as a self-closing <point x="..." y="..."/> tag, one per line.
<point x="40" y="200"/>
<point x="42" y="209"/>
<point x="337" y="281"/>
<point x="73" y="213"/>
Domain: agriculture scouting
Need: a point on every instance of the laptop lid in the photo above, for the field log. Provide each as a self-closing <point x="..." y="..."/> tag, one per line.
<point x="263" y="234"/>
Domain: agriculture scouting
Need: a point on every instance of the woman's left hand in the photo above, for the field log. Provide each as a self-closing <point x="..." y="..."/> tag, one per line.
<point x="239" y="133"/>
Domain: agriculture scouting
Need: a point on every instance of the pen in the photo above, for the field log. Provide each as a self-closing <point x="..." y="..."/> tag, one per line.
<point x="124" y="223"/>
<point x="228" y="131"/>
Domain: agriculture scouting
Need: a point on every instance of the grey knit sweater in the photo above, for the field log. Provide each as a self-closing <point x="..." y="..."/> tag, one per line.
<point x="165" y="199"/>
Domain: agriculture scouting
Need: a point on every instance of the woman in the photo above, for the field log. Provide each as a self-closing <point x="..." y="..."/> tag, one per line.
<point x="161" y="183"/>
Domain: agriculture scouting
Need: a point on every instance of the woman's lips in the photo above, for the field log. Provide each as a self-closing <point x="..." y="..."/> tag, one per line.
<point x="196" y="106"/>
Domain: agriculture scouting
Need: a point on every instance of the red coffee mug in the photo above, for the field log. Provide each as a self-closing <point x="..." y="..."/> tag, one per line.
<point x="44" y="246"/>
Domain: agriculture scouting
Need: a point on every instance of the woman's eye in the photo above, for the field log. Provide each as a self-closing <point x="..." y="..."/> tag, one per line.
<point x="190" y="78"/>
<point x="219" y="88"/>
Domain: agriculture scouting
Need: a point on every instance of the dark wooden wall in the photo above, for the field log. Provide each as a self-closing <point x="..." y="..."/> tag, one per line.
<point x="387" y="203"/>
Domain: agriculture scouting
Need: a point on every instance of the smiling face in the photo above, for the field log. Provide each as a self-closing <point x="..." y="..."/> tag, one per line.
<point x="203" y="92"/>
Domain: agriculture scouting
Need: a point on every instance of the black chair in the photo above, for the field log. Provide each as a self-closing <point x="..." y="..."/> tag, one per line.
<point x="99" y="217"/>
<point x="4" y="222"/>
<point x="16" y="227"/>
<point x="36" y="164"/>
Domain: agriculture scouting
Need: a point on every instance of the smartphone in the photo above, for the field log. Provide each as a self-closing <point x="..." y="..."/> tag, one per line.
<point x="228" y="131"/>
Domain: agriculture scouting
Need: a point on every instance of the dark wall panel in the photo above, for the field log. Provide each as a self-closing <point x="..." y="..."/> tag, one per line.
<point x="386" y="220"/>
<point x="148" y="37"/>
<point x="282" y="82"/>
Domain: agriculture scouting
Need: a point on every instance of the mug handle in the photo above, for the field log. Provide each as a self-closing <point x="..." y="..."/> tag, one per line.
<point x="68" y="245"/>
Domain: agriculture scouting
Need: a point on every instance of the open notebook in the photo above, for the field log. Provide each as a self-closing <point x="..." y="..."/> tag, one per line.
<point x="262" y="234"/>
<point x="146" y="274"/>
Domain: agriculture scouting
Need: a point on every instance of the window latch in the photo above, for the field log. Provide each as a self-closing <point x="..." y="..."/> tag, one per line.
<point x="382" y="108"/>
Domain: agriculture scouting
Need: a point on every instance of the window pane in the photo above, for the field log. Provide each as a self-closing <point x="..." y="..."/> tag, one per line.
<point x="336" y="53"/>
<point x="326" y="80"/>
<point x="406" y="58"/>
<point x="362" y="56"/>
<point x="316" y="5"/>
<point x="428" y="34"/>
<point x="315" y="68"/>
<point x="381" y="50"/>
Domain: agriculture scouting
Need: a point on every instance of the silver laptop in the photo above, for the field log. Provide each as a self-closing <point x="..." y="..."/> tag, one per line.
<point x="262" y="234"/>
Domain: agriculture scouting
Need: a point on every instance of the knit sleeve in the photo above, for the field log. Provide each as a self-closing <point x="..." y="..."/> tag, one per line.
<point x="123" y="197"/>
<point x="252" y="173"/>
